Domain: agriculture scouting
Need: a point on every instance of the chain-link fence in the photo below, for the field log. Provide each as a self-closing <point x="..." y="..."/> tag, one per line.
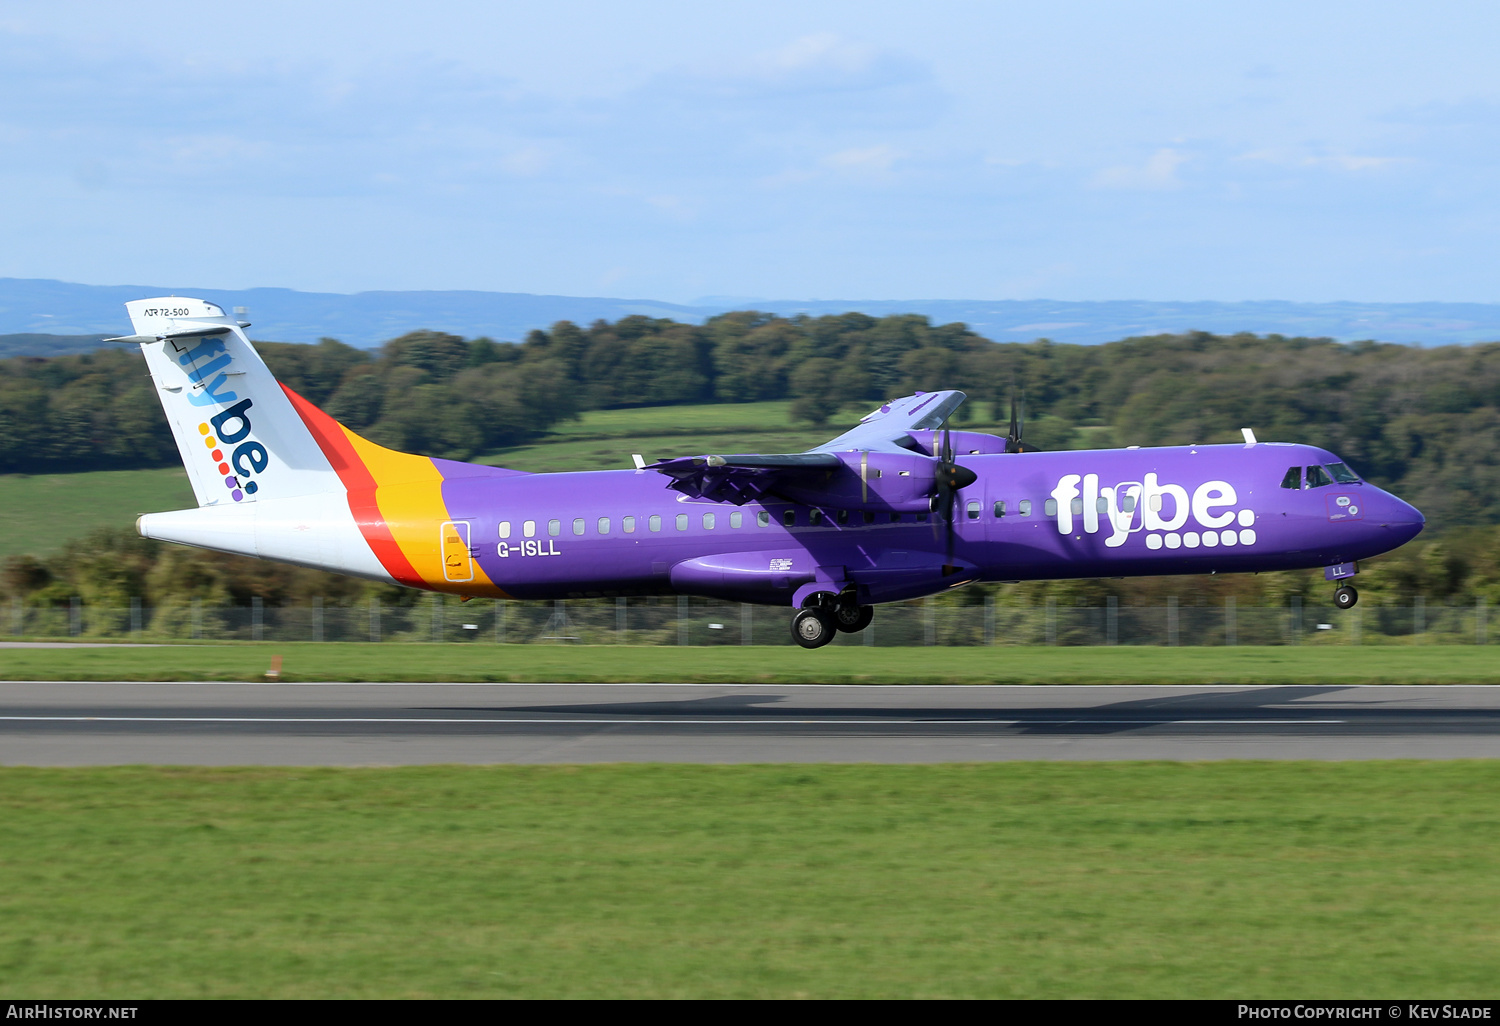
<point x="685" y="621"/>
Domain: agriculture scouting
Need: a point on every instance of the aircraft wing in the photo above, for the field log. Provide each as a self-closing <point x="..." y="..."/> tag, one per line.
<point x="886" y="428"/>
<point x="741" y="479"/>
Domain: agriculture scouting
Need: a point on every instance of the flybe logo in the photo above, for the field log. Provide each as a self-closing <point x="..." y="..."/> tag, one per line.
<point x="1167" y="514"/>
<point x="249" y="457"/>
<point x="207" y="365"/>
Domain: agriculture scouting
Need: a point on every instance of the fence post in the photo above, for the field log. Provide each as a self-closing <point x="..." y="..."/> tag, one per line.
<point x="197" y="625"/>
<point x="256" y="630"/>
<point x="989" y="620"/>
<point x="1480" y="615"/>
<point x="18" y="616"/>
<point x="1051" y="621"/>
<point x="502" y="613"/>
<point x="75" y="616"/>
<point x="1419" y="615"/>
<point x="682" y="619"/>
<point x="374" y="618"/>
<point x="437" y="617"/>
<point x="135" y="617"/>
<point x="317" y="618"/>
<point x="1111" y="620"/>
<point x="929" y="625"/>
<point x="1354" y="625"/>
<point x="1296" y="619"/>
<point x="1172" y="621"/>
<point x="621" y="623"/>
<point x="747" y="623"/>
<point x="1231" y="628"/>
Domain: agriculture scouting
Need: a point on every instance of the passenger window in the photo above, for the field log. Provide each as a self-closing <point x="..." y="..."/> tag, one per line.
<point x="1128" y="504"/>
<point x="1317" y="477"/>
<point x="1049" y="508"/>
<point x="1293" y="479"/>
<point x="655" y="522"/>
<point x="505" y="528"/>
<point x="843" y="517"/>
<point x="763" y="519"/>
<point x="869" y="517"/>
<point x="736" y="519"/>
<point x="1077" y="506"/>
<point x="814" y="517"/>
<point x="604" y="525"/>
<point x="895" y="518"/>
<point x="973" y="509"/>
<point x="789" y="517"/>
<point x="1101" y="505"/>
<point x="921" y="518"/>
<point x="1155" y="503"/>
<point x="554" y="527"/>
<point x="578" y="525"/>
<point x="629" y="524"/>
<point x="682" y="521"/>
<point x="708" y="521"/>
<point x="529" y="529"/>
<point x="1342" y="474"/>
<point x="1024" y="507"/>
<point x="999" y="508"/>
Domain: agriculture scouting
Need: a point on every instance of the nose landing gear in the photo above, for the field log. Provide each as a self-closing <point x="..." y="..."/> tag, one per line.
<point x="1345" y="597"/>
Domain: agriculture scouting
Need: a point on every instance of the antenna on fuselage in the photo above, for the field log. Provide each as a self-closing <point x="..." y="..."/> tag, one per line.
<point x="1249" y="436"/>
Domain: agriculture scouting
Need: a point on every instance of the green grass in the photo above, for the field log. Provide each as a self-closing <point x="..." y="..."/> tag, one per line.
<point x="1245" y="880"/>
<point x="39" y="513"/>
<point x="1413" y="664"/>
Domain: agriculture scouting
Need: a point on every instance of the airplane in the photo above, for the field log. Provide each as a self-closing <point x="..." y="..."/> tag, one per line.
<point x="898" y="507"/>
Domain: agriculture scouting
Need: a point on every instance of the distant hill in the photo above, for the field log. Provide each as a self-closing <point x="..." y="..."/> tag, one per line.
<point x="55" y="308"/>
<point x="33" y="344"/>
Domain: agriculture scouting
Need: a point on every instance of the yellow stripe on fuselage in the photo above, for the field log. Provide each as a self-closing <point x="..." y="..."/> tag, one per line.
<point x="409" y="492"/>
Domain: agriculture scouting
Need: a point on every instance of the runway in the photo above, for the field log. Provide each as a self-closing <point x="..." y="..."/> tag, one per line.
<point x="73" y="724"/>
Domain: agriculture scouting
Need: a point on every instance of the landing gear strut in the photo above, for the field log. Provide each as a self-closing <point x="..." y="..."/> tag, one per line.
<point x="1345" y="597"/>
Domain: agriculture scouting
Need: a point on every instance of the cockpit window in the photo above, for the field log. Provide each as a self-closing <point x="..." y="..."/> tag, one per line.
<point x="1293" y="478"/>
<point x="1317" y="477"/>
<point x="1342" y="474"/>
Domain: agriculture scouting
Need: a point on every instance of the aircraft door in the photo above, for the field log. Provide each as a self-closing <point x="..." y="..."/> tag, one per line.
<point x="458" y="557"/>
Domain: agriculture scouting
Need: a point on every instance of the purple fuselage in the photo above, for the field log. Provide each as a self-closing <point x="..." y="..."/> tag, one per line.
<point x="1028" y="516"/>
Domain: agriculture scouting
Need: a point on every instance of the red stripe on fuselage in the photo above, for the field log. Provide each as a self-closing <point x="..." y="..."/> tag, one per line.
<point x="360" y="484"/>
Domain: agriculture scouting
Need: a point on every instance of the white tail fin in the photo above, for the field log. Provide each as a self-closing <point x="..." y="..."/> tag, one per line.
<point x="240" y="437"/>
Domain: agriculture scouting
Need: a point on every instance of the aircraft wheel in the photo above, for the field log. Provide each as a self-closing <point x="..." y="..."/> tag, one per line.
<point x="1345" y="597"/>
<point x="853" y="619"/>
<point x="813" y="628"/>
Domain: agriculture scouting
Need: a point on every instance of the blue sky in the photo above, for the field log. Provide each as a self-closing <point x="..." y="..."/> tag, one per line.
<point x="1170" y="151"/>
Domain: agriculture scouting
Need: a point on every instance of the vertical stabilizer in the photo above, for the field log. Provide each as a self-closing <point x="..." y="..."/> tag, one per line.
<point x="240" y="438"/>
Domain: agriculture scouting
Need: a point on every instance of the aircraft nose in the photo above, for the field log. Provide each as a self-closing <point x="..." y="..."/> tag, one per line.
<point x="1400" y="516"/>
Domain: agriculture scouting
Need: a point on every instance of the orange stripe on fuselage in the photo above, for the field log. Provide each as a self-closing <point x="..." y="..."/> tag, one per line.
<point x="397" y="501"/>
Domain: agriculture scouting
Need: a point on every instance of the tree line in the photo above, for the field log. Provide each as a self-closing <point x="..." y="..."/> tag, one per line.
<point x="1425" y="422"/>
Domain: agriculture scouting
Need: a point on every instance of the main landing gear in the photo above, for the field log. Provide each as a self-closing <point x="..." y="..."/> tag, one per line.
<point x="815" y="626"/>
<point x="1345" y="597"/>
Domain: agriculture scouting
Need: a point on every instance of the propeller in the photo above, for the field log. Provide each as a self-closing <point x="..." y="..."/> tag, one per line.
<point x="949" y="479"/>
<point x="1017" y="423"/>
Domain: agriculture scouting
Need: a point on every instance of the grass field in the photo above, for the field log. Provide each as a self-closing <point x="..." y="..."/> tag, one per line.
<point x="1415" y="664"/>
<point x="1368" y="880"/>
<point x="39" y="512"/>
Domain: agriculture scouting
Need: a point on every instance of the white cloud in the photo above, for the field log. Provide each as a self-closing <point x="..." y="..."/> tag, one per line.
<point x="1158" y="172"/>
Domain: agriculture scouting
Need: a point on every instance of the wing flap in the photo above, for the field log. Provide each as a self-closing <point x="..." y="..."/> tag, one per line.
<point x="745" y="477"/>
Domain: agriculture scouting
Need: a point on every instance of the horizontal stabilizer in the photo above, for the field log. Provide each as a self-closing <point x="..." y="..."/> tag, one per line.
<point x="744" y="478"/>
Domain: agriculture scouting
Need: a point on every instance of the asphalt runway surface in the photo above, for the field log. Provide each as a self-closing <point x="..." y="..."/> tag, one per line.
<point x="74" y="724"/>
